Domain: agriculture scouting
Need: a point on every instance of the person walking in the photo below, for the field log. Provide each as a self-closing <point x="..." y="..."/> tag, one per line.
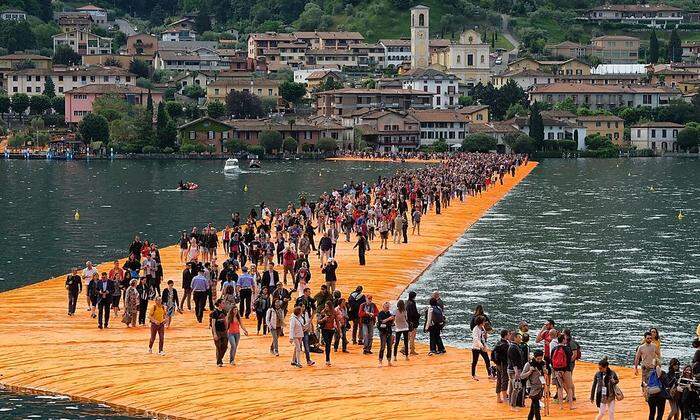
<point x="434" y="322"/>
<point x="296" y="335"/>
<point x="656" y="391"/>
<point x="533" y="372"/>
<point x="603" y="390"/>
<point x="401" y="328"/>
<point x="245" y="286"/>
<point x="234" y="325"/>
<point x="217" y="324"/>
<point x="341" y="313"/>
<point x="200" y="285"/>
<point x="561" y="363"/>
<point x="355" y="300"/>
<point x="479" y="347"/>
<point x="413" y="317"/>
<point x="261" y="305"/>
<point x="187" y="275"/>
<point x="672" y="377"/>
<point x="131" y="305"/>
<point x="646" y="354"/>
<point x="385" y="323"/>
<point x="362" y="246"/>
<point x="274" y="319"/>
<point x="144" y="294"/>
<point x="74" y="286"/>
<point x="516" y="392"/>
<point x="329" y="269"/>
<point x="157" y="318"/>
<point x="499" y="355"/>
<point x="329" y="326"/>
<point x="368" y="316"/>
<point x="171" y="302"/>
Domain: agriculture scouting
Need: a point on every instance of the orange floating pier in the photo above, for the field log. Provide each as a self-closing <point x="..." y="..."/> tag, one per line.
<point x="43" y="350"/>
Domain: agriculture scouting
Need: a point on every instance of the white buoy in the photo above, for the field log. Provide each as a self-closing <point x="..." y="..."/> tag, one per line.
<point x="76" y="216"/>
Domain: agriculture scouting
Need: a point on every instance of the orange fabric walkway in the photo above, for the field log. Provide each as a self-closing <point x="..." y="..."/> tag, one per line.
<point x="47" y="351"/>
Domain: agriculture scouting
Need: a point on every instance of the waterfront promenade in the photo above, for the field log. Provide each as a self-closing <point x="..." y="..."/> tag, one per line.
<point x="45" y="350"/>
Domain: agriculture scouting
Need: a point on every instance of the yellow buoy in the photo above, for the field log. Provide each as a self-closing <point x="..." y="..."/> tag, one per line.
<point x="651" y="188"/>
<point x="245" y="188"/>
<point x="680" y="215"/>
<point x="76" y="216"/>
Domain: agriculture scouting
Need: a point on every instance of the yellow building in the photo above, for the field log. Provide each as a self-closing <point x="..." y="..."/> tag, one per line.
<point x="689" y="86"/>
<point x="609" y="126"/>
<point x="264" y="88"/>
<point x="570" y="67"/>
<point x="475" y="113"/>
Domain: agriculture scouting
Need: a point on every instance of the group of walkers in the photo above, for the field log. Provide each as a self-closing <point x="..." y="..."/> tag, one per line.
<point x="520" y="372"/>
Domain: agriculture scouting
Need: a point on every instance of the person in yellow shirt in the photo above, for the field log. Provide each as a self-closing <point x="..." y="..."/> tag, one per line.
<point x="157" y="317"/>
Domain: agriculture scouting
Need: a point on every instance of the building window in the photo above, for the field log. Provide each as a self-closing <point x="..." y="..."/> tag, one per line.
<point x="470" y="59"/>
<point x="653" y="133"/>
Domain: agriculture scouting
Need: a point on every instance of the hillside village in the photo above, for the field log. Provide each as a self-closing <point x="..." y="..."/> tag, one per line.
<point x="304" y="91"/>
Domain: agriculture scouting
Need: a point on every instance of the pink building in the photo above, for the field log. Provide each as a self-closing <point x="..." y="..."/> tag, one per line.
<point x="79" y="100"/>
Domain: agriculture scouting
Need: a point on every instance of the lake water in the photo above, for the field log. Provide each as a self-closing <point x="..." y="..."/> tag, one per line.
<point x="596" y="245"/>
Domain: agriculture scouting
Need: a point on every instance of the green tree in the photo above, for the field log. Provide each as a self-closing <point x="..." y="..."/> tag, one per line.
<point x="597" y="141"/>
<point x="111" y="107"/>
<point x="94" y="128"/>
<point x="243" y="105"/>
<point x="478" y="142"/>
<point x="58" y="104"/>
<point x="290" y="145"/>
<point x="143" y="122"/>
<point x="329" y="84"/>
<point x="466" y="100"/>
<point x="139" y="68"/>
<point x="521" y="143"/>
<point x="202" y="21"/>
<point x="64" y="54"/>
<point x="675" y="50"/>
<point x="310" y="18"/>
<point x="16" y="35"/>
<point x="292" y="92"/>
<point x="175" y="109"/>
<point x="234" y="146"/>
<point x="216" y="109"/>
<point x="38" y="104"/>
<point x="20" y="103"/>
<point x="440" y="146"/>
<point x="194" y="91"/>
<point x="515" y="110"/>
<point x="688" y="138"/>
<point x="149" y="103"/>
<point x="653" y="48"/>
<point x="271" y="140"/>
<point x="327" y="144"/>
<point x="49" y="88"/>
<point x="5" y="104"/>
<point x="566" y="105"/>
<point x="536" y="124"/>
<point x="166" y="131"/>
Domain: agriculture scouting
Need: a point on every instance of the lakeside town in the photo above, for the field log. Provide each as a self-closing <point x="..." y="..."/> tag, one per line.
<point x="179" y="92"/>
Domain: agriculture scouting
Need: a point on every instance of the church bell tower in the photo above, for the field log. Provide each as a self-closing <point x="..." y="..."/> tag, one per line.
<point x="420" y="50"/>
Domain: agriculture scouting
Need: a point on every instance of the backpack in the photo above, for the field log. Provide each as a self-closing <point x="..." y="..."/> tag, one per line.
<point x="438" y="316"/>
<point x="654" y="385"/>
<point x="559" y="361"/>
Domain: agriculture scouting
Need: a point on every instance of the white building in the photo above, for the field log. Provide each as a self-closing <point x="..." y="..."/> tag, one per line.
<point x="13" y="14"/>
<point x="435" y="124"/>
<point x="178" y="35"/>
<point x="189" y="60"/>
<point x="33" y="81"/>
<point x="655" y="136"/>
<point x="525" y="78"/>
<point x="396" y="51"/>
<point x="445" y="87"/>
<point x="98" y="14"/>
<point x="84" y="42"/>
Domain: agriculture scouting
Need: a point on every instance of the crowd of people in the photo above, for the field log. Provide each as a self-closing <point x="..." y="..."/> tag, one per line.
<point x="396" y="156"/>
<point x="260" y="265"/>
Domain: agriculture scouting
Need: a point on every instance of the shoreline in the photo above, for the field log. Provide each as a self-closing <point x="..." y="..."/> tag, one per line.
<point x="385" y="277"/>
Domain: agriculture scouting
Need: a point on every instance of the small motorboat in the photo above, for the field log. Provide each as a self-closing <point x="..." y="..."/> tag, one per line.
<point x="187" y="186"/>
<point x="254" y="164"/>
<point x="231" y="165"/>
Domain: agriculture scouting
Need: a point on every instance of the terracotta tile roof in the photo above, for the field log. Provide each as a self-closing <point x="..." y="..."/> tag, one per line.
<point x="658" y="124"/>
<point x="105" y="89"/>
<point x="439" y="115"/>
<point x="386" y="91"/>
<point x="593" y="118"/>
<point x="21" y="56"/>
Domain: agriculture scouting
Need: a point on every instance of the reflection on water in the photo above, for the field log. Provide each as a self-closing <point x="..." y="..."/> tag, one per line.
<point x="598" y="250"/>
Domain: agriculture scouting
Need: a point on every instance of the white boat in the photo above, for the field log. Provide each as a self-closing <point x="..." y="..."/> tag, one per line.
<point x="231" y="165"/>
<point x="254" y="164"/>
